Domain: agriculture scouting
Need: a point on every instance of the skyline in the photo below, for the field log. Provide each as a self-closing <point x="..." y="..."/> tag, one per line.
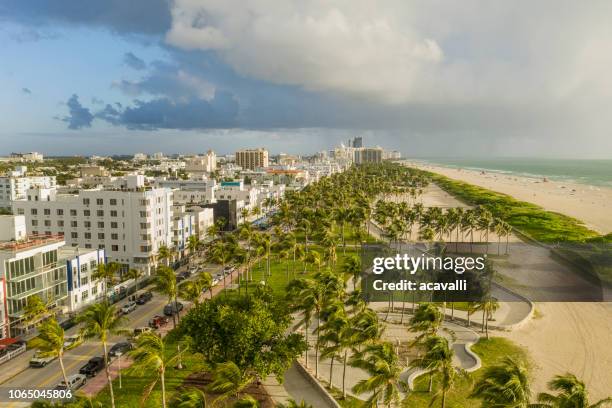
<point x="428" y="80"/>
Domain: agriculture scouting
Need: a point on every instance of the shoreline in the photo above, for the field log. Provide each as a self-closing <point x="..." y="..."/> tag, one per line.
<point x="592" y="205"/>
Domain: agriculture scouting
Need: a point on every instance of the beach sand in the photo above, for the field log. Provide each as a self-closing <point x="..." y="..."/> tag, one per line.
<point x="590" y="204"/>
<point x="564" y="337"/>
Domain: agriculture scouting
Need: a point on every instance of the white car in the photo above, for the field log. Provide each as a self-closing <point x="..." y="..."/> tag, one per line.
<point x="39" y="360"/>
<point x="128" y="307"/>
<point x="75" y="381"/>
<point x="72" y="341"/>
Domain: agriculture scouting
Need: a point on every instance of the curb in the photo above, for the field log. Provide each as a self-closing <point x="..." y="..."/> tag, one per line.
<point x="315" y="383"/>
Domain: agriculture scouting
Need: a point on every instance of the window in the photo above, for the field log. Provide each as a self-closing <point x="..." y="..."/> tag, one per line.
<point x="100" y="224"/>
<point x="101" y="246"/>
<point x="115" y="236"/>
<point x="113" y="213"/>
<point x="87" y="224"/>
<point x="84" y="295"/>
<point x="100" y="235"/>
<point x="93" y="265"/>
<point x="34" y="223"/>
<point x="99" y="201"/>
<point x="49" y="257"/>
<point x="86" y="201"/>
<point x="88" y="235"/>
<point x="60" y="223"/>
<point x="113" y="225"/>
<point x="74" y="224"/>
<point x="34" y="211"/>
<point x="84" y="267"/>
<point x="94" y="290"/>
<point x="115" y="248"/>
<point x="20" y="211"/>
<point x="84" y="280"/>
<point x="73" y="213"/>
<point x="48" y="233"/>
<point x="47" y="223"/>
<point x="88" y="246"/>
<point x="113" y="201"/>
<point x="60" y="211"/>
<point x="47" y="211"/>
<point x="86" y="213"/>
<point x="21" y="267"/>
<point x="74" y="235"/>
<point x="100" y="213"/>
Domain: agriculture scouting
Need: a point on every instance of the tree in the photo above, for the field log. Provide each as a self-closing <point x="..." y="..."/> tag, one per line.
<point x="135" y="274"/>
<point x="164" y="253"/>
<point x="427" y="319"/>
<point x="151" y="353"/>
<point x="165" y="283"/>
<point x="35" y="309"/>
<point x="229" y="380"/>
<point x="437" y="354"/>
<point x="222" y="253"/>
<point x="294" y="404"/>
<point x="190" y="397"/>
<point x="250" y="331"/>
<point x="101" y="320"/>
<point x="193" y="243"/>
<point x="50" y="342"/>
<point x="571" y="393"/>
<point x="504" y="385"/>
<point x="106" y="272"/>
<point x="246" y="402"/>
<point x="381" y="362"/>
<point x="352" y="267"/>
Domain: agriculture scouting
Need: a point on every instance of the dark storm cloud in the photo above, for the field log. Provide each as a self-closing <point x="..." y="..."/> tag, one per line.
<point x="79" y="117"/>
<point x="121" y="16"/>
<point x="133" y="61"/>
<point x="196" y="113"/>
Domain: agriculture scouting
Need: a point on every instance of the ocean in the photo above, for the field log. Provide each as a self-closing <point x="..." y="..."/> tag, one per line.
<point x="592" y="172"/>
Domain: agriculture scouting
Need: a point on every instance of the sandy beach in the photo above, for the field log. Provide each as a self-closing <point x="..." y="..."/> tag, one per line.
<point x="590" y="204"/>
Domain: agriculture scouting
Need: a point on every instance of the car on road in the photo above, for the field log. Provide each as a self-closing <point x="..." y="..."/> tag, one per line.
<point x="40" y="360"/>
<point x="144" y="298"/>
<point x="179" y="278"/>
<point x="93" y="367"/>
<point x="73" y="341"/>
<point x="68" y="323"/>
<point x="139" y="330"/>
<point x="158" y="321"/>
<point x="184" y="274"/>
<point x="173" y="308"/>
<point x="119" y="349"/>
<point x="75" y="382"/>
<point x="128" y="308"/>
<point x="228" y="269"/>
<point x="193" y="270"/>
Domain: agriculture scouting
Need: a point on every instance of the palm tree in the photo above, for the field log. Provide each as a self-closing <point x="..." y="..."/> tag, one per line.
<point x="151" y="353"/>
<point x="135" y="274"/>
<point x="381" y="362"/>
<point x="265" y="247"/>
<point x="165" y="283"/>
<point x="304" y="305"/>
<point x="488" y="306"/>
<point x="190" y="397"/>
<point x="164" y="253"/>
<point x="50" y="342"/>
<point x="222" y="253"/>
<point x="437" y="354"/>
<point x="229" y="380"/>
<point x="192" y="290"/>
<point x="504" y="385"/>
<point x="336" y="338"/>
<point x="352" y="267"/>
<point x="101" y="320"/>
<point x="246" y="402"/>
<point x="571" y="393"/>
<point x="35" y="309"/>
<point x="193" y="243"/>
<point x="427" y="319"/>
<point x="293" y="404"/>
<point x="107" y="273"/>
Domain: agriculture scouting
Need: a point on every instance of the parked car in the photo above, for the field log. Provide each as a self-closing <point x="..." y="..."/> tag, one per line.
<point x="39" y="360"/>
<point x="128" y="307"/>
<point x="144" y="298"/>
<point x="228" y="269"/>
<point x="184" y="274"/>
<point x="68" y="323"/>
<point x="72" y="341"/>
<point x="93" y="367"/>
<point x="173" y="308"/>
<point x="119" y="349"/>
<point x="75" y="381"/>
<point x="193" y="270"/>
<point x="158" y="321"/>
<point x="139" y="330"/>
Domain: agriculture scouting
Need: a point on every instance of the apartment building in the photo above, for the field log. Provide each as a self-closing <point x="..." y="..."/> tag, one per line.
<point x="252" y="158"/>
<point x="192" y="191"/>
<point x="15" y="186"/>
<point x="368" y="155"/>
<point x="183" y="226"/>
<point x="30" y="266"/>
<point x="237" y="190"/>
<point x="199" y="165"/>
<point x="129" y="223"/>
<point x="81" y="264"/>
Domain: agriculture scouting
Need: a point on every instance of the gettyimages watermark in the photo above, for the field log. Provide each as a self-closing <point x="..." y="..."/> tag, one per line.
<point x="469" y="272"/>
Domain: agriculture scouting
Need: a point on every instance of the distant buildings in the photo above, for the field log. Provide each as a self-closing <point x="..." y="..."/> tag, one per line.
<point x="15" y="186"/>
<point x="368" y="155"/>
<point x="358" y="142"/>
<point x="199" y="165"/>
<point x="27" y="157"/>
<point x="252" y="158"/>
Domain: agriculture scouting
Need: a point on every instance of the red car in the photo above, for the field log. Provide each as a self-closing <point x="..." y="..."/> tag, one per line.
<point x="158" y="321"/>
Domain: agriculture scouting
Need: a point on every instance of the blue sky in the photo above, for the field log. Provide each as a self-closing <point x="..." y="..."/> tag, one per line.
<point x="300" y="76"/>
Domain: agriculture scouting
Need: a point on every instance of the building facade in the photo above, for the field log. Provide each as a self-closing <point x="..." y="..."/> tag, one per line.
<point x="252" y="158"/>
<point x="368" y="155"/>
<point x="15" y="187"/>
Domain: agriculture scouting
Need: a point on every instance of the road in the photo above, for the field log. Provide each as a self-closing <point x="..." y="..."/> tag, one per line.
<point x="50" y="375"/>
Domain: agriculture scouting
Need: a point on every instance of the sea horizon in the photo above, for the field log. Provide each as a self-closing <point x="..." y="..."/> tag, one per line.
<point x="595" y="172"/>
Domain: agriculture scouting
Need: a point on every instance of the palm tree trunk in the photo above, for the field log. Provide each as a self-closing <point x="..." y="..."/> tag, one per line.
<point x="163" y="386"/>
<point x="307" y="344"/>
<point x="430" y="382"/>
<point x="61" y="361"/>
<point x="344" y="375"/>
<point x="331" y="372"/>
<point x="317" y="345"/>
<point x="108" y="376"/>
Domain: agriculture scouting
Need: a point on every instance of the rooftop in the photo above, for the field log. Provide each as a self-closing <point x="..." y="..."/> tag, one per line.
<point x="30" y="242"/>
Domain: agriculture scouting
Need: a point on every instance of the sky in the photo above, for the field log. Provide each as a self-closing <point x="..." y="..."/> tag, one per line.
<point x="428" y="78"/>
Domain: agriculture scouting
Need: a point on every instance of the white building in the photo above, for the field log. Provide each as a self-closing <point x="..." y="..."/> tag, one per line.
<point x="183" y="226"/>
<point x="15" y="187"/>
<point x="368" y="155"/>
<point x="81" y="264"/>
<point x="30" y="266"/>
<point x="28" y="157"/>
<point x="237" y="190"/>
<point x="139" y="157"/>
<point x="199" y="165"/>
<point x="130" y="223"/>
<point x="204" y="218"/>
<point x="192" y="191"/>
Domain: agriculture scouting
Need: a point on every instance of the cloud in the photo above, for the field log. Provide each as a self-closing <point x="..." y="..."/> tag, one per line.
<point x="220" y="111"/>
<point x="133" y="61"/>
<point x="79" y="117"/>
<point x="26" y="91"/>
